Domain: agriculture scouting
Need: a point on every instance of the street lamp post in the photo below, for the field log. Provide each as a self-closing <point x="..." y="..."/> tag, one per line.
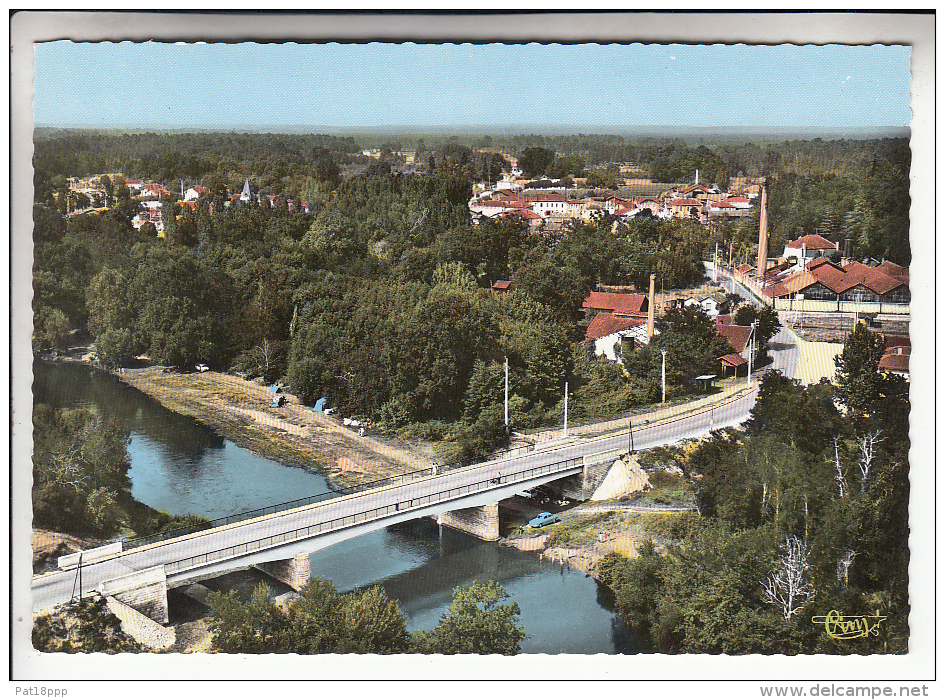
<point x="664" y="375"/>
<point x="565" y="408"/>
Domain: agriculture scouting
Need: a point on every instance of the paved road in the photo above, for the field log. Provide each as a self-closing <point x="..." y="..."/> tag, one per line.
<point x="57" y="587"/>
<point x="782" y="346"/>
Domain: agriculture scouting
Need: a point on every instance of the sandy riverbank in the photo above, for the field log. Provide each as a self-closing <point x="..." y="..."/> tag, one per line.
<point x="293" y="434"/>
<point x="585" y="537"/>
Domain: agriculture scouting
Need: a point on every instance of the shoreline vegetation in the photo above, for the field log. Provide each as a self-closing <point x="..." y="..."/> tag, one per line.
<point x="293" y="435"/>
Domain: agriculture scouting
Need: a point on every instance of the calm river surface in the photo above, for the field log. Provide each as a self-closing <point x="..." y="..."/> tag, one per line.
<point x="183" y="466"/>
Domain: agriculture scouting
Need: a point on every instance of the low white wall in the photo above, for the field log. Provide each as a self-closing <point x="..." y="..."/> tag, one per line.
<point x="71" y="561"/>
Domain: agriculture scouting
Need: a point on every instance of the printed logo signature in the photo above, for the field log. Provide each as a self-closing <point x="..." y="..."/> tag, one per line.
<point x="849" y="627"/>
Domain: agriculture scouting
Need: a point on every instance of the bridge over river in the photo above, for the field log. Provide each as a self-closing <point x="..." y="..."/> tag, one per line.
<point x="279" y="543"/>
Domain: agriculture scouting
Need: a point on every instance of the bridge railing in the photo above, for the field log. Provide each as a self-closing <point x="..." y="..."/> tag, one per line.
<point x="409" y="477"/>
<point x="367" y="516"/>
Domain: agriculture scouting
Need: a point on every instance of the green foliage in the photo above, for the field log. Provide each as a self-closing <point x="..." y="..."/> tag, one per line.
<point x="477" y="623"/>
<point x="576" y="529"/>
<point x="692" y="348"/>
<point x="319" y="622"/>
<point x="798" y="470"/>
<point x="857" y="377"/>
<point x="535" y="160"/>
<point x="679" y="164"/>
<point x="87" y="627"/>
<point x="870" y="209"/>
<point x="322" y="621"/>
<point x="80" y="472"/>
<point x="766" y="318"/>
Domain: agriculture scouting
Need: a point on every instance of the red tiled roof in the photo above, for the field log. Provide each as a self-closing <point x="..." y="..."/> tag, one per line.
<point x="811" y="242"/>
<point x="818" y="262"/>
<point x="617" y="303"/>
<point x="737" y="200"/>
<point x="605" y="324"/>
<point x="895" y="341"/>
<point x="870" y="277"/>
<point x="526" y="214"/>
<point x="684" y="203"/>
<point x="895" y="361"/>
<point x="737" y="336"/>
<point x="545" y="198"/>
<point x="892" y="269"/>
<point x="839" y="280"/>
<point x="502" y="284"/>
<point x="723" y="319"/>
<point x="733" y="360"/>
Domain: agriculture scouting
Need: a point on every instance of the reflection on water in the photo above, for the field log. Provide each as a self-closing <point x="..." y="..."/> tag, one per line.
<point x="419" y="564"/>
<point x="177" y="463"/>
<point x="183" y="466"/>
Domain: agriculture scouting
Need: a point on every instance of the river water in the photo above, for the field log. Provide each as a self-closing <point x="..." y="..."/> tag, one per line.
<point x="182" y="466"/>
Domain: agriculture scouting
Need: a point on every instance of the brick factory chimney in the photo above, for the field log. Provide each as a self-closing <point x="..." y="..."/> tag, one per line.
<point x="763" y="236"/>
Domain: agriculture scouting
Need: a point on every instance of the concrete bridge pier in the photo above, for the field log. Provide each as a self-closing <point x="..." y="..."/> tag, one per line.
<point x="481" y="521"/>
<point x="144" y="591"/>
<point x="294" y="572"/>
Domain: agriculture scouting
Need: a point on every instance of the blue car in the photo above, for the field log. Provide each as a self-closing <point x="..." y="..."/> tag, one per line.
<point x="543" y="519"/>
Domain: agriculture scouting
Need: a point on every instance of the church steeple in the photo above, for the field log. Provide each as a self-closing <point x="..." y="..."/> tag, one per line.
<point x="245" y="196"/>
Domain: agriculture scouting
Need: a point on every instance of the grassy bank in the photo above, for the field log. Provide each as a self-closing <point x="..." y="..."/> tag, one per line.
<point x="293" y="434"/>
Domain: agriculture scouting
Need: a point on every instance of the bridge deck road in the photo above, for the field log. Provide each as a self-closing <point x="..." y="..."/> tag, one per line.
<point x="57" y="587"/>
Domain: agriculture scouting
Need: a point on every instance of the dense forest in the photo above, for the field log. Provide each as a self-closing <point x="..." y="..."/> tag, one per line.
<point x="804" y="512"/>
<point x="378" y="297"/>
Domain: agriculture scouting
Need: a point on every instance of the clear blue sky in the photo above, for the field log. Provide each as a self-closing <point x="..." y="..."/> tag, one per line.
<point x="383" y="85"/>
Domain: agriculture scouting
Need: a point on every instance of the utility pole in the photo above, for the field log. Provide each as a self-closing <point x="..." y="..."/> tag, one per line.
<point x="751" y="351"/>
<point x="664" y="375"/>
<point x="565" y="408"/>
<point x="506" y="394"/>
<point x="631" y="438"/>
<point x="715" y="264"/>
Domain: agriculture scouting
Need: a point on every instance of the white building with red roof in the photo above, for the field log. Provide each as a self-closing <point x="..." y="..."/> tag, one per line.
<point x="808" y="248"/>
<point x="613" y="336"/>
<point x="194" y="193"/>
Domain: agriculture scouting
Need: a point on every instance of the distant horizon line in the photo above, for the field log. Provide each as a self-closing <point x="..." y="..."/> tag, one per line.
<point x="504" y="130"/>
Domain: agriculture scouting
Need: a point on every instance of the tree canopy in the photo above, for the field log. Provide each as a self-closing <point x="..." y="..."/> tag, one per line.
<point x="321" y="621"/>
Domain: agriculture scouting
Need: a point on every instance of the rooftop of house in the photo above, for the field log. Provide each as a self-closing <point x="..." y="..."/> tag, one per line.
<point x="733" y="360"/>
<point x="895" y="341"/>
<point x="737" y="336"/>
<point x="526" y="214"/>
<point x="811" y="242"/>
<point x="616" y="303"/>
<point x="895" y="360"/>
<point x="605" y="324"/>
<point x="838" y="279"/>
<point x="501" y="284"/>
<point x="684" y="203"/>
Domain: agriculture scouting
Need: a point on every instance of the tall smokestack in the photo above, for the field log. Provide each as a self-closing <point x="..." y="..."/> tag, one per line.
<point x="651" y="308"/>
<point x="763" y="235"/>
